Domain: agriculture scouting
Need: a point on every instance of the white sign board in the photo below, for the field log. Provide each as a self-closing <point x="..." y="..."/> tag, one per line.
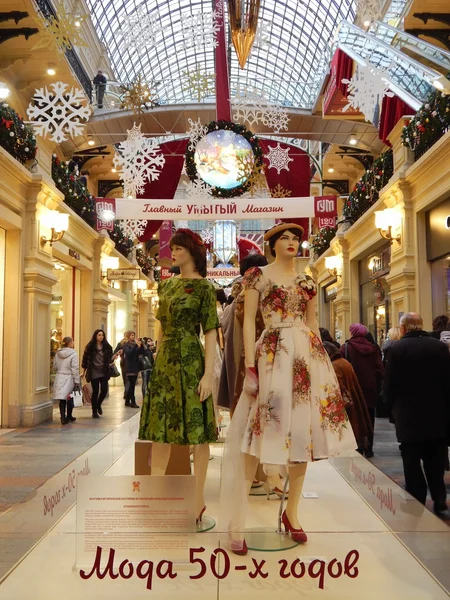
<point x="123" y="274"/>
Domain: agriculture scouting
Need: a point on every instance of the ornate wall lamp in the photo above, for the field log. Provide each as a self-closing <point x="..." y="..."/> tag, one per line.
<point x="388" y="221"/>
<point x="334" y="265"/>
<point x="57" y="222"/>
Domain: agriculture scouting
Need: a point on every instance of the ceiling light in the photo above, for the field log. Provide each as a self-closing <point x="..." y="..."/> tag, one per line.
<point x="4" y="91"/>
<point x="438" y="84"/>
<point x="353" y="141"/>
<point x="91" y="142"/>
<point x="51" y="69"/>
<point x="77" y="23"/>
<point x="366" y="23"/>
<point x="331" y="169"/>
<point x="113" y="170"/>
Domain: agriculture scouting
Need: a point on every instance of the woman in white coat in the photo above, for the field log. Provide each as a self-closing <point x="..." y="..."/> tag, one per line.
<point x="67" y="378"/>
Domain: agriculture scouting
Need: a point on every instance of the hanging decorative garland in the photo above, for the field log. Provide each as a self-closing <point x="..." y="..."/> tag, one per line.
<point x="239" y="130"/>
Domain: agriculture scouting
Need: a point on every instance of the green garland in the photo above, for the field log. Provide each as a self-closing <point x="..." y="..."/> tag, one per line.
<point x="15" y="137"/>
<point x="145" y="261"/>
<point x="322" y="240"/>
<point x="367" y="191"/>
<point x="123" y="243"/>
<point x="191" y="168"/>
<point x="76" y="195"/>
<point x="429" y="124"/>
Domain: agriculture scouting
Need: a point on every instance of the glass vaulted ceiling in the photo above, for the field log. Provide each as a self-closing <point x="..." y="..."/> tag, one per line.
<point x="289" y="65"/>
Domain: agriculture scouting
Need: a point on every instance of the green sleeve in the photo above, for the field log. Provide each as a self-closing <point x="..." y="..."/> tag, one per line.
<point x="158" y="311"/>
<point x="208" y="312"/>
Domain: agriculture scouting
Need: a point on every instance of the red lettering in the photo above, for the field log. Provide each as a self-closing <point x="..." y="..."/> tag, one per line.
<point x="284" y="574"/>
<point x="330" y="569"/>
<point x="258" y="570"/>
<point x="293" y="569"/>
<point x="145" y="574"/>
<point x="169" y="570"/>
<point x="97" y="565"/>
<point x="226" y="566"/>
<point x="193" y="560"/>
<point x="317" y="574"/>
<point x="353" y="555"/>
<point x="122" y="572"/>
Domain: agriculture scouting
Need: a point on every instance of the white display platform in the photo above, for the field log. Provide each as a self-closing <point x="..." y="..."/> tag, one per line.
<point x="341" y="523"/>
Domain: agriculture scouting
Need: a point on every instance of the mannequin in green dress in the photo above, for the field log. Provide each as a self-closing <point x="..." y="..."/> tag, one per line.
<point x="178" y="407"/>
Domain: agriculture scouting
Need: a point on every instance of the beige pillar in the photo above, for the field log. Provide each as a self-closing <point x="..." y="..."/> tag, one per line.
<point x="343" y="297"/>
<point x="100" y="298"/>
<point x="403" y="156"/>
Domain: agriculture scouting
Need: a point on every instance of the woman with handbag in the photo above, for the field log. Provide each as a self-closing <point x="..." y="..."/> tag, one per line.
<point x="97" y="358"/>
<point x="67" y="378"/>
<point x="132" y="356"/>
<point x="147" y="362"/>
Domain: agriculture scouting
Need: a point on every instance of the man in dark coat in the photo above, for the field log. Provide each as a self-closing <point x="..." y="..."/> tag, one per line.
<point x="365" y="358"/>
<point x="417" y="391"/>
<point x="100" y="87"/>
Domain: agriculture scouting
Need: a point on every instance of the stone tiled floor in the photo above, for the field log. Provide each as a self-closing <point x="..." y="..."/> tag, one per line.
<point x="29" y="457"/>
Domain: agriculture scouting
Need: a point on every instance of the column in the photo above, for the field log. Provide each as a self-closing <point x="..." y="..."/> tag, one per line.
<point x="343" y="298"/>
<point x="100" y="298"/>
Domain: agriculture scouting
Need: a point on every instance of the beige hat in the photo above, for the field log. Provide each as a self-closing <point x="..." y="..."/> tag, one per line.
<point x="282" y="227"/>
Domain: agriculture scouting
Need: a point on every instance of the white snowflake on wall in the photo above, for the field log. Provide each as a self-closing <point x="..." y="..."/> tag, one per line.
<point x="199" y="30"/>
<point x="137" y="161"/>
<point x="140" y="31"/>
<point x="196" y="131"/>
<point x="207" y="236"/>
<point x="278" y="158"/>
<point x="366" y="90"/>
<point x="132" y="228"/>
<point x="58" y="114"/>
<point x="198" y="190"/>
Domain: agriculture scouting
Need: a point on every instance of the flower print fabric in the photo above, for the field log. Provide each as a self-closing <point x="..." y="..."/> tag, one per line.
<point x="172" y="412"/>
<point x="299" y="414"/>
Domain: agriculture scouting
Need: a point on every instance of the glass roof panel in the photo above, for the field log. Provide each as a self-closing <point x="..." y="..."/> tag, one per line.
<point x="289" y="65"/>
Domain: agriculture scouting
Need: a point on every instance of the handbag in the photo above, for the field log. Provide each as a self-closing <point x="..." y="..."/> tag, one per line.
<point x="144" y="363"/>
<point x="87" y="394"/>
<point x="77" y="398"/>
<point x="113" y="371"/>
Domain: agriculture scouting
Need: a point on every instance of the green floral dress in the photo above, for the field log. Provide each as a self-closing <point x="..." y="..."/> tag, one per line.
<point x="172" y="412"/>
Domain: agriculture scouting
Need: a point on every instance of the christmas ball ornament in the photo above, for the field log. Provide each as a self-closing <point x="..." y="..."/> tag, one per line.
<point x="11" y="133"/>
<point x="27" y="149"/>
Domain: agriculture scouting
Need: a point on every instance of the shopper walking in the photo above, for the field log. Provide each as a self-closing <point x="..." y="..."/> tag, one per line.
<point x="365" y="358"/>
<point x="132" y="350"/>
<point x="67" y="379"/>
<point x="392" y="337"/>
<point x="146" y="373"/>
<point x="417" y="391"/>
<point x="97" y="357"/>
<point x="120" y="346"/>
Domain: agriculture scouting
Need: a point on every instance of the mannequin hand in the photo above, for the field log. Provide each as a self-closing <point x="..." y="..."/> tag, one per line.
<point x="205" y="387"/>
<point x="251" y="381"/>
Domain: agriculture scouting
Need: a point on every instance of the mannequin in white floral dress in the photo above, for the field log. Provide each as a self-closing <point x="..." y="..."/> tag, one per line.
<point x="291" y="411"/>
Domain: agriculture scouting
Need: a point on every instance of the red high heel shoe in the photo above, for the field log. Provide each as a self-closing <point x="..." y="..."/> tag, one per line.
<point x="199" y="518"/>
<point x="298" y="535"/>
<point x="239" y="548"/>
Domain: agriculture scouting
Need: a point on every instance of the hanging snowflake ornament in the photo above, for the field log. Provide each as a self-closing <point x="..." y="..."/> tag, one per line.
<point x="196" y="131"/>
<point x="207" y="236"/>
<point x="253" y="174"/>
<point x="199" y="30"/>
<point x="262" y="36"/>
<point x="132" y="228"/>
<point x="140" y="31"/>
<point x="198" y="190"/>
<point x="366" y="90"/>
<point x="276" y="118"/>
<point x="138" y="96"/>
<point x="59" y="114"/>
<point x="199" y="85"/>
<point x="252" y="106"/>
<point x="278" y="158"/>
<point x="280" y="192"/>
<point x="60" y="32"/>
<point x="137" y="161"/>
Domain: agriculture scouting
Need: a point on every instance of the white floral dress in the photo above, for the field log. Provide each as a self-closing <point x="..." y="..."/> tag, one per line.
<point x="298" y="414"/>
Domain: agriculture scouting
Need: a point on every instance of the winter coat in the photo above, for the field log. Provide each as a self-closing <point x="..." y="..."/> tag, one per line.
<point x="386" y="349"/>
<point x="65" y="364"/>
<point x="417" y="387"/>
<point x="365" y="359"/>
<point x="88" y="358"/>
<point x="355" y="404"/>
<point x="131" y="354"/>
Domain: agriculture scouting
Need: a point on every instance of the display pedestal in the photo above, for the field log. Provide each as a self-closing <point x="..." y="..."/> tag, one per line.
<point x="179" y="462"/>
<point x="266" y="539"/>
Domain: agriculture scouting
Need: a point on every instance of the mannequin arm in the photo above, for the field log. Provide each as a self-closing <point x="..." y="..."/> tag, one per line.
<point x="250" y="310"/>
<point x="311" y="318"/>
<point x="205" y="385"/>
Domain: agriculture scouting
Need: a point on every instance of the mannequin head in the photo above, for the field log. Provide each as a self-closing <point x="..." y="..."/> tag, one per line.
<point x="285" y="244"/>
<point x="188" y="250"/>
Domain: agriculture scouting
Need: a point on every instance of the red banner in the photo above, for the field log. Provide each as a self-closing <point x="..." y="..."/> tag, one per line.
<point x="335" y="95"/>
<point x="325" y="206"/>
<point x="105" y="209"/>
<point x="327" y="222"/>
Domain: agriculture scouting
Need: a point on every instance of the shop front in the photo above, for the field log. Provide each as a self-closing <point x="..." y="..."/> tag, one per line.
<point x="438" y="256"/>
<point x="374" y="293"/>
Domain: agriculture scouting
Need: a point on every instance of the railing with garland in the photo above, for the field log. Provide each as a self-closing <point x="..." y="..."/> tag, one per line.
<point x="15" y="137"/>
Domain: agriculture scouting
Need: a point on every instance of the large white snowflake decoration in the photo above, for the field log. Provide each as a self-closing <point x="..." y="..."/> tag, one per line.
<point x="262" y="36"/>
<point x="252" y="106"/>
<point x="140" y="31"/>
<point x="207" y="236"/>
<point x="199" y="190"/>
<point x="58" y="114"/>
<point x="366" y="89"/>
<point x="133" y="228"/>
<point x="278" y="158"/>
<point x="199" y="30"/>
<point x="137" y="161"/>
<point x="196" y="132"/>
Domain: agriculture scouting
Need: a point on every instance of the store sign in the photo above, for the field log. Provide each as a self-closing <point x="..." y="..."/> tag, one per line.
<point x="223" y="273"/>
<point x="166" y="274"/>
<point x="105" y="209"/>
<point x="74" y="254"/>
<point x="148" y="293"/>
<point x="327" y="222"/>
<point x="216" y="208"/>
<point x="123" y="274"/>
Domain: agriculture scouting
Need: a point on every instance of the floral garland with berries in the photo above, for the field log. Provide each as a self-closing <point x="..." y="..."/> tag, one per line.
<point x="322" y="240"/>
<point x="72" y="185"/>
<point x="15" y="137"/>
<point x="429" y="124"/>
<point x="145" y="261"/>
<point x="219" y="192"/>
<point x="367" y="191"/>
<point x="123" y="243"/>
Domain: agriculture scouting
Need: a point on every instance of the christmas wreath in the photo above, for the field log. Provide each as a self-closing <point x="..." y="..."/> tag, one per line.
<point x="219" y="192"/>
